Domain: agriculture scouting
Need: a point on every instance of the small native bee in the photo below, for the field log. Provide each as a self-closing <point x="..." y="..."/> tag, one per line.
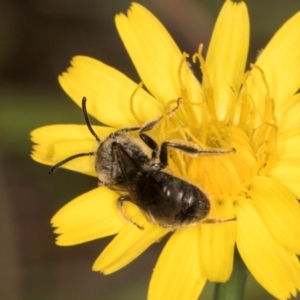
<point x="134" y="165"/>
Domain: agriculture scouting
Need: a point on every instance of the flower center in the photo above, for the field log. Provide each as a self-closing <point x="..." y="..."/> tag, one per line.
<point x="249" y="126"/>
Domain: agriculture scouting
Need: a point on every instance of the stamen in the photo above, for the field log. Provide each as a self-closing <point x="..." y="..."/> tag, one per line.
<point x="253" y="66"/>
<point x="188" y="112"/>
<point x="193" y="137"/>
<point x="164" y="128"/>
<point x="267" y="152"/>
<point x="231" y="105"/>
<point x="139" y="86"/>
<point x="180" y="67"/>
<point x="265" y="136"/>
<point x="269" y="102"/>
<point x="246" y="119"/>
<point x="206" y="83"/>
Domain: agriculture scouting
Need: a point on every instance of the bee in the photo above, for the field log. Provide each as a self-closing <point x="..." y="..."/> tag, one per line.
<point x="135" y="165"/>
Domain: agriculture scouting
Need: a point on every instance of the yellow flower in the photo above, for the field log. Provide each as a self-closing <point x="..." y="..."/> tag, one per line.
<point x="256" y="112"/>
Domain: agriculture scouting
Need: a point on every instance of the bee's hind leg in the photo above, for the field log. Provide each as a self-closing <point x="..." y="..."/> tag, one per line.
<point x="121" y="200"/>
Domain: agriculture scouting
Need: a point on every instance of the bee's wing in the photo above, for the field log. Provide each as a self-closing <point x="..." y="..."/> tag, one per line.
<point x="156" y="193"/>
<point x="130" y="168"/>
<point x="139" y="182"/>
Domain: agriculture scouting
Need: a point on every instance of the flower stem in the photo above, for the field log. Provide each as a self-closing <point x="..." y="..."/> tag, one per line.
<point x="234" y="288"/>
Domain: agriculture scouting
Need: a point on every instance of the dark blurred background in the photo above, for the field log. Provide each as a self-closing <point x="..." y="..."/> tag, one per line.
<point x="37" y="40"/>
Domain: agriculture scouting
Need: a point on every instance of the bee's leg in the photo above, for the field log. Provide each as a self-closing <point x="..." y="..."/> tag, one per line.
<point x="124" y="214"/>
<point x="190" y="149"/>
<point x="150" y="143"/>
<point x="147" y="139"/>
<point x="218" y="220"/>
<point x="148" y="126"/>
<point x="151" y="124"/>
<point x="124" y="131"/>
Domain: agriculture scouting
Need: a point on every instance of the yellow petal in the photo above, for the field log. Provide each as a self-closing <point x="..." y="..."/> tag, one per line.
<point x="57" y="133"/>
<point x="280" y="62"/>
<point x="288" y="145"/>
<point x="108" y="93"/>
<point x="227" y="54"/>
<point x="273" y="266"/>
<point x="63" y="150"/>
<point x="217" y="243"/>
<point x="90" y="216"/>
<point x="279" y="209"/>
<point x="58" y="142"/>
<point x="288" y="117"/>
<point x="288" y="174"/>
<point x="177" y="274"/>
<point x="156" y="56"/>
<point x="129" y="243"/>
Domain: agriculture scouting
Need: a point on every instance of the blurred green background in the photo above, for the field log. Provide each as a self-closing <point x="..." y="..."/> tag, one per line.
<point x="37" y="40"/>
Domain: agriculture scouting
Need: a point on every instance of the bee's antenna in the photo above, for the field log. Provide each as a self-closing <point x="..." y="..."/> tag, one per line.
<point x="88" y="123"/>
<point x="87" y="119"/>
<point x="58" y="165"/>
